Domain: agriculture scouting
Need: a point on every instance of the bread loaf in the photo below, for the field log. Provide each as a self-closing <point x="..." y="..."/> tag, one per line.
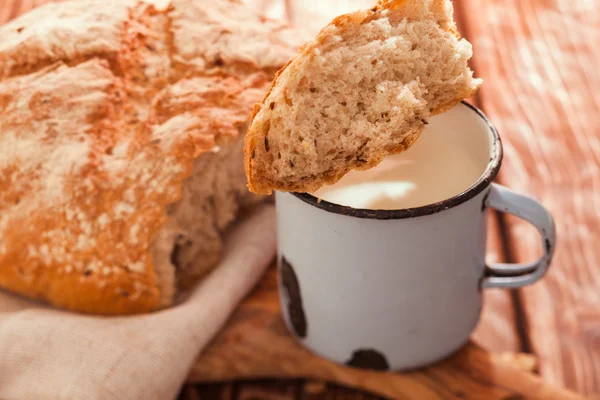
<point x="363" y="89"/>
<point x="121" y="136"/>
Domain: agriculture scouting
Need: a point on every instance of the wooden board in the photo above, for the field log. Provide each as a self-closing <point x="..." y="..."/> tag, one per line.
<point x="538" y="58"/>
<point x="540" y="62"/>
<point x="255" y="344"/>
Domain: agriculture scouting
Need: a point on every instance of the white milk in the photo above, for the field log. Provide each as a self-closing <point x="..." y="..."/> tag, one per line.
<point x="445" y="161"/>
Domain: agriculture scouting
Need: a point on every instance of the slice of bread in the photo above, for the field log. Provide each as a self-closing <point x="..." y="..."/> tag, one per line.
<point x="363" y="89"/>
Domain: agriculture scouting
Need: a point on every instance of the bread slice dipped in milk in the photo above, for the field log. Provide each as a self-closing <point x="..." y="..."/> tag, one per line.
<point x="363" y="89"/>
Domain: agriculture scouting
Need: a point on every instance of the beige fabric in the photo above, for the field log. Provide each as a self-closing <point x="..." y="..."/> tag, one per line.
<point x="51" y="354"/>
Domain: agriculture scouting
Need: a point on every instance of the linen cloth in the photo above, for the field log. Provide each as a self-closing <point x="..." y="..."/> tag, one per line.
<point x="52" y="354"/>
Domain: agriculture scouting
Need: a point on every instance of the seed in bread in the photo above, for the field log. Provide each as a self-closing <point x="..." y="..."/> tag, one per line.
<point x="363" y="89"/>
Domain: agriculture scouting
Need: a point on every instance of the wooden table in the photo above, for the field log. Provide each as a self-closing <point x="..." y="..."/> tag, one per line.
<point x="540" y="61"/>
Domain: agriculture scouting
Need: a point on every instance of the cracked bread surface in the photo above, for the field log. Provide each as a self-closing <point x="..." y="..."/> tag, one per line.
<point x="363" y="89"/>
<point x="121" y="134"/>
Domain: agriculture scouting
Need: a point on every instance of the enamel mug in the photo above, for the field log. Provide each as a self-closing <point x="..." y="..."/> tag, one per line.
<point x="400" y="289"/>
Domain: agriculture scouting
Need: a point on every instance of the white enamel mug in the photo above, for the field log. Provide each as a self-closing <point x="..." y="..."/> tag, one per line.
<point x="399" y="289"/>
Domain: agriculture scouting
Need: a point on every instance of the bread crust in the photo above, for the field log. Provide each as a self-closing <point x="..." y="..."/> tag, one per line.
<point x="97" y="138"/>
<point x="262" y="184"/>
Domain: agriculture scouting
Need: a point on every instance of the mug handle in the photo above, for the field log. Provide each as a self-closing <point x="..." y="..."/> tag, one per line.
<point x="519" y="275"/>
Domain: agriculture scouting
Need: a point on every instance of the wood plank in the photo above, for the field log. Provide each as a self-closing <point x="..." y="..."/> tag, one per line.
<point x="273" y="390"/>
<point x="18" y="8"/>
<point x="219" y="391"/>
<point x="539" y="59"/>
<point x="256" y="345"/>
<point x="319" y="390"/>
<point x="270" y="390"/>
<point x="315" y="390"/>
<point x="191" y="392"/>
<point x="497" y="328"/>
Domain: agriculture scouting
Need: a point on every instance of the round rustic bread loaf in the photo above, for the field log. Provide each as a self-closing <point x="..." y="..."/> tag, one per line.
<point x="121" y="135"/>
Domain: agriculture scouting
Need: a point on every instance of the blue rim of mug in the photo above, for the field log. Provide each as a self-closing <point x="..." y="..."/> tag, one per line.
<point x="484" y="181"/>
